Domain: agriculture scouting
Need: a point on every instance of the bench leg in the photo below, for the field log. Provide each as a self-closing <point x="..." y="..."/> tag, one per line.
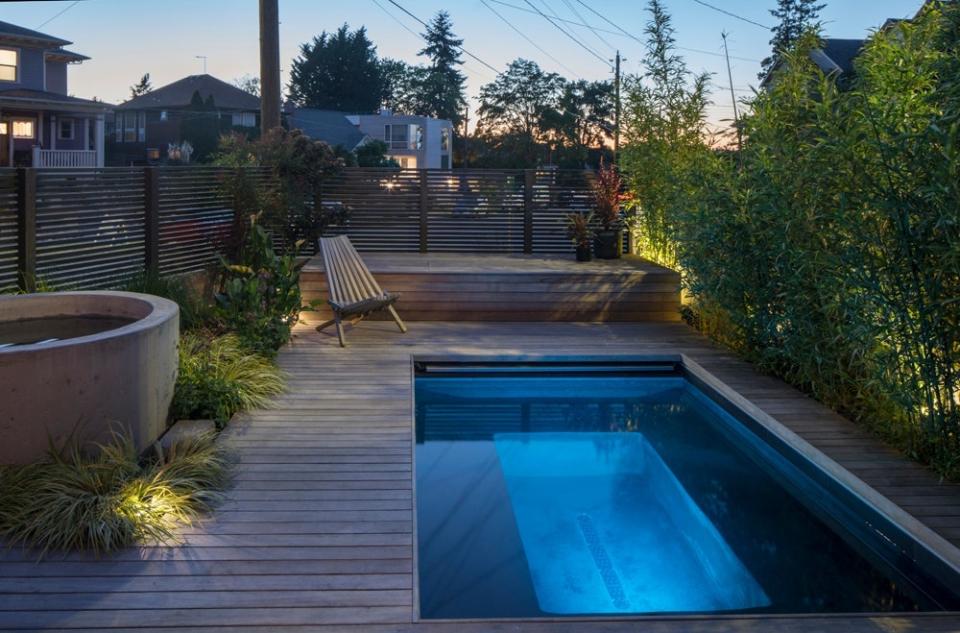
<point x="396" y="317"/>
<point x="340" y="335"/>
<point x="325" y="325"/>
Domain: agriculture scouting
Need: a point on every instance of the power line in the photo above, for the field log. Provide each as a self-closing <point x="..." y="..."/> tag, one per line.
<point x="462" y="49"/>
<point x="524" y="36"/>
<point x="565" y="32"/>
<point x="733" y="15"/>
<point x="59" y="14"/>
<point x="621" y="32"/>
<point x="419" y="36"/>
<point x="573" y="10"/>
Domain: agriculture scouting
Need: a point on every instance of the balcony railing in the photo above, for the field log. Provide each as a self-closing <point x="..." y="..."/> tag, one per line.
<point x="64" y="157"/>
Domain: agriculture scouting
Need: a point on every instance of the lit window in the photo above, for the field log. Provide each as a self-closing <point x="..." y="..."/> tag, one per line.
<point x="163" y="115"/>
<point x="445" y="139"/>
<point x="65" y="130"/>
<point x="23" y="128"/>
<point x="418" y="134"/>
<point x="3" y="128"/>
<point x="130" y="127"/>
<point x="244" y="119"/>
<point x="9" y="60"/>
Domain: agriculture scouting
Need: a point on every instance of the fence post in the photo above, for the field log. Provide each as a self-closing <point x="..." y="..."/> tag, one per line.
<point x="424" y="211"/>
<point x="529" y="177"/>
<point x="27" y="229"/>
<point x="151" y="220"/>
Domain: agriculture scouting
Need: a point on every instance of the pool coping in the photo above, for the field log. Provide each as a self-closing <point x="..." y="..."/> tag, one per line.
<point x="935" y="545"/>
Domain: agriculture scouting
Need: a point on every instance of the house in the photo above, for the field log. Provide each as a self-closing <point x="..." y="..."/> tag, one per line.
<point x="412" y="141"/>
<point x="195" y="109"/>
<point x="330" y="126"/>
<point x="835" y="57"/>
<point x="41" y="125"/>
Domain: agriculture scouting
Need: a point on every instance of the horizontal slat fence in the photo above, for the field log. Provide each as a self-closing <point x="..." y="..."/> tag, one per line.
<point x="89" y="226"/>
<point x="195" y="217"/>
<point x="93" y="228"/>
<point x="8" y="229"/>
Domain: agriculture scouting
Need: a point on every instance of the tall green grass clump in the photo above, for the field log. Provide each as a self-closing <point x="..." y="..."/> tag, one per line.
<point x="219" y="377"/>
<point x="195" y="312"/>
<point x="110" y="501"/>
<point x="828" y="252"/>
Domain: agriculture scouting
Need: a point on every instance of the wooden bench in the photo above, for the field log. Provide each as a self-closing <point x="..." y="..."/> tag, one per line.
<point x="354" y="293"/>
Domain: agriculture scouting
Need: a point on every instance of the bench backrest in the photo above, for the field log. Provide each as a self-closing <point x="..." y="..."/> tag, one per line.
<point x="348" y="278"/>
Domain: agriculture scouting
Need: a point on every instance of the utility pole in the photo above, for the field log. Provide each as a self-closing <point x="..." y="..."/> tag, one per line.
<point x="466" y="137"/>
<point x="269" y="65"/>
<point x="733" y="98"/>
<point x="616" y="119"/>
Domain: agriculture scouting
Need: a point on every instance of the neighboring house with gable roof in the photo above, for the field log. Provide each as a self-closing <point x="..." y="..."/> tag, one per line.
<point x="145" y="126"/>
<point x="41" y="125"/>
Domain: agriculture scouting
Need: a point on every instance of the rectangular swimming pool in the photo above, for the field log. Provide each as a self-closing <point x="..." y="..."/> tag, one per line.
<point x="612" y="488"/>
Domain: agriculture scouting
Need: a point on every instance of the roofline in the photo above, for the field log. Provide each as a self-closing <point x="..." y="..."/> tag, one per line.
<point x="89" y="105"/>
<point x="67" y="55"/>
<point x="46" y="39"/>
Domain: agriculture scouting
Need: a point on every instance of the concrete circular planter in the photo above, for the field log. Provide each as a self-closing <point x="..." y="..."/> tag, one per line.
<point x="90" y="385"/>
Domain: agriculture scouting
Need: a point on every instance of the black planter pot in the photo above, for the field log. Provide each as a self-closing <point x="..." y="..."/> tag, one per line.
<point x="608" y="244"/>
<point x="584" y="254"/>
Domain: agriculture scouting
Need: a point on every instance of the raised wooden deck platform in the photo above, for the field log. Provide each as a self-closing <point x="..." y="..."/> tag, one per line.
<point x="489" y="287"/>
<point x="317" y="533"/>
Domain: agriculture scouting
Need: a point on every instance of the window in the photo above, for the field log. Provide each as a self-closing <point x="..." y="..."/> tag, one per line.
<point x="244" y="119"/>
<point x="24" y="128"/>
<point x="9" y="63"/>
<point x="445" y="139"/>
<point x="397" y="136"/>
<point x="65" y="129"/>
<point x="163" y="115"/>
<point x="3" y="128"/>
<point x="406" y="162"/>
<point x="131" y="127"/>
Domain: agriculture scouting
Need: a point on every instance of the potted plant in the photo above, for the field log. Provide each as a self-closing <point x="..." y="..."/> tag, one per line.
<point x="607" y="196"/>
<point x="580" y="231"/>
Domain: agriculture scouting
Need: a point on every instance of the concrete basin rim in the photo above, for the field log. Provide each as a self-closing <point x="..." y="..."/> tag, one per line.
<point x="161" y="310"/>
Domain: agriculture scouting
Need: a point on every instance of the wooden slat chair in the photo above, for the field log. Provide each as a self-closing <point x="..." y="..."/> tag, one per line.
<point x="354" y="293"/>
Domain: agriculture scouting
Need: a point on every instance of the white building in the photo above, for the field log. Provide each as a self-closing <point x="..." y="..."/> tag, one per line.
<point x="413" y="141"/>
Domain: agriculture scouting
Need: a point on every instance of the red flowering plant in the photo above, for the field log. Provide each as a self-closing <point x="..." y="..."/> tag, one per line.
<point x="608" y="196"/>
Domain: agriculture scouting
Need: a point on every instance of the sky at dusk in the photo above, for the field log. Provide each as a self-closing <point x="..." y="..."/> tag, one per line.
<point x="127" y="38"/>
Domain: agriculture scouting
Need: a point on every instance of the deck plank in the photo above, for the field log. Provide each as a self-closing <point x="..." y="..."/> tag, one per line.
<point x="317" y="532"/>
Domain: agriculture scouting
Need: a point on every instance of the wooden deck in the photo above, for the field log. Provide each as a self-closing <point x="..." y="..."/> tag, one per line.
<point x="490" y="287"/>
<point x="317" y="533"/>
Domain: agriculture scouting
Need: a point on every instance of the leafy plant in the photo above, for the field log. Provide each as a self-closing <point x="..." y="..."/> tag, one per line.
<point x="607" y="195"/>
<point x="829" y="254"/>
<point x="579" y="229"/>
<point x="195" y="312"/>
<point x="259" y="298"/>
<point x="219" y="377"/>
<point x="112" y="500"/>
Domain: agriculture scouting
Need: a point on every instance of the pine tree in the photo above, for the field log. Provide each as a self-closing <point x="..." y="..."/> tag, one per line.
<point x="338" y="71"/>
<point x="443" y="87"/>
<point x="795" y="17"/>
<point x="142" y="87"/>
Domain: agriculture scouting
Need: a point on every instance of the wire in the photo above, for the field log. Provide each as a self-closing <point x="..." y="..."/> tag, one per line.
<point x="620" y="32"/>
<point x="462" y="49"/>
<point x="524" y="36"/>
<point x="59" y="14"/>
<point x="733" y="15"/>
<point x="567" y="33"/>
<point x="573" y="10"/>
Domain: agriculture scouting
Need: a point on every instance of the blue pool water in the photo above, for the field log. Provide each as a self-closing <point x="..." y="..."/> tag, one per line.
<point x="579" y="495"/>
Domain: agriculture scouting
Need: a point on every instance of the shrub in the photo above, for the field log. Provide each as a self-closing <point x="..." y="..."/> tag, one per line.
<point x="259" y="298"/>
<point x="219" y="377"/>
<point x="195" y="312"/>
<point x="830" y="257"/>
<point x="113" y="500"/>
